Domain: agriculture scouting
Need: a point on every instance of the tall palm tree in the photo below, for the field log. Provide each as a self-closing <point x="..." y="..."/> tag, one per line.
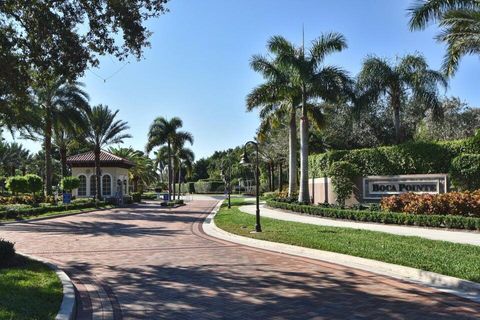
<point x="460" y="24"/>
<point x="60" y="102"/>
<point x="103" y="129"/>
<point x="314" y="81"/>
<point x="277" y="98"/>
<point x="166" y="132"/>
<point x="409" y="78"/>
<point x="161" y="161"/>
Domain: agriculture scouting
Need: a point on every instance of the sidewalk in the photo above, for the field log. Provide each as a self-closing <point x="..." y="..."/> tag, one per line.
<point x="464" y="237"/>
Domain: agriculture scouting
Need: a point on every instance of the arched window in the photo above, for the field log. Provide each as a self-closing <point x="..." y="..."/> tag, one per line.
<point x="93" y="185"/>
<point x="82" y="188"/>
<point x="106" y="185"/>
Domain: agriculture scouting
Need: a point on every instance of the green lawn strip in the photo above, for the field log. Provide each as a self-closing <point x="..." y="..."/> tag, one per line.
<point x="29" y="290"/>
<point x="458" y="260"/>
<point x="56" y="213"/>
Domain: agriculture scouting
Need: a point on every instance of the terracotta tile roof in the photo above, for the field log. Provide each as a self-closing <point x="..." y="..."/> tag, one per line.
<point x="106" y="159"/>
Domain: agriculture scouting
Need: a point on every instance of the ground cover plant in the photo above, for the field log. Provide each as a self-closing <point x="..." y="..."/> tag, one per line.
<point x="457" y="260"/>
<point x="24" y="282"/>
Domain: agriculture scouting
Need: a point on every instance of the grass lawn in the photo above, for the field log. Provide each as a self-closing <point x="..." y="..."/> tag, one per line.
<point x="29" y="290"/>
<point x="56" y="213"/>
<point x="458" y="260"/>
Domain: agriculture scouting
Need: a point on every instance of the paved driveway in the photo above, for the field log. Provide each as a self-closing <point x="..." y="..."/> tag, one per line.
<point x="145" y="262"/>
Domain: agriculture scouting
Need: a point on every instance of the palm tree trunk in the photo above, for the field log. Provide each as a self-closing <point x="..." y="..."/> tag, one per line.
<point x="280" y="177"/>
<point x="169" y="170"/>
<point x="292" y="154"/>
<point x="396" y="115"/>
<point x="173" y="180"/>
<point x="48" y="153"/>
<point x="303" y="195"/>
<point x="179" y="180"/>
<point x="98" y="173"/>
<point x="63" y="160"/>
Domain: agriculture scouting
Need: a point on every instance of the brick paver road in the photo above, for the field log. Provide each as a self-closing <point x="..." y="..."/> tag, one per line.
<point x="147" y="263"/>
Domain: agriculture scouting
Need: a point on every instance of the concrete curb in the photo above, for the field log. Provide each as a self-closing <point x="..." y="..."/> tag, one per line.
<point x="463" y="288"/>
<point x="67" y="308"/>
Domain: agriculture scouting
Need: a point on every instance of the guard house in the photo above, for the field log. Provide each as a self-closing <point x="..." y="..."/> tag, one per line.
<point x="114" y="174"/>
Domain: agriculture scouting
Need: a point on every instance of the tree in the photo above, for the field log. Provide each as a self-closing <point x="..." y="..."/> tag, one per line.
<point x="50" y="39"/>
<point x="58" y="103"/>
<point x="34" y="183"/>
<point x="103" y="130"/>
<point x="460" y="24"/>
<point x="143" y="173"/>
<point x="277" y="98"/>
<point x="409" y="78"/>
<point x="166" y="132"/>
<point x="315" y="81"/>
<point x="184" y="158"/>
<point x="69" y="183"/>
<point x="17" y="184"/>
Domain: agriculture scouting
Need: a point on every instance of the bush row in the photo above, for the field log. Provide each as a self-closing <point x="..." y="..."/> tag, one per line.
<point x="27" y="199"/>
<point x="34" y="211"/>
<point x="204" y="186"/>
<point x="7" y="252"/>
<point x="437" y="221"/>
<point x="451" y="203"/>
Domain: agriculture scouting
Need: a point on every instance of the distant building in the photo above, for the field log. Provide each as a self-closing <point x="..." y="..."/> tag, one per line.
<point x="114" y="174"/>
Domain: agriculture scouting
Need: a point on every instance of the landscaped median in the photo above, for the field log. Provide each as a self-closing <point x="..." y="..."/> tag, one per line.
<point x="20" y="212"/>
<point x="28" y="289"/>
<point x="457" y="260"/>
<point x="424" y="220"/>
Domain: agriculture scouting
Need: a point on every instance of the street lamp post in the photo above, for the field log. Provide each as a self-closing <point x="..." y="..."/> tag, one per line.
<point x="246" y="161"/>
<point x="227" y="177"/>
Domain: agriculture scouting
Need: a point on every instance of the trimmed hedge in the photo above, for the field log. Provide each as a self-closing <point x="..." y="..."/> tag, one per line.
<point x="436" y="221"/>
<point x="465" y="171"/>
<point x="35" y="211"/>
<point x="205" y="186"/>
<point x="7" y="252"/>
<point x="407" y="158"/>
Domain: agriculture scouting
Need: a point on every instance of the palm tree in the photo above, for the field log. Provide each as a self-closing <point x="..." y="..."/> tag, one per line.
<point x="163" y="131"/>
<point x="460" y="23"/>
<point x="103" y="129"/>
<point x="184" y="158"/>
<point x="143" y="172"/>
<point x="313" y="81"/>
<point x="161" y="161"/>
<point x="277" y="98"/>
<point x="410" y="76"/>
<point x="59" y="102"/>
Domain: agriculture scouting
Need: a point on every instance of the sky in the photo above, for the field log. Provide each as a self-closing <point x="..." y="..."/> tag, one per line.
<point x="198" y="65"/>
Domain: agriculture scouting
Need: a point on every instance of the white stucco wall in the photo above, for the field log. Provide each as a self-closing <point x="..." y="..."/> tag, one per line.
<point x="114" y="172"/>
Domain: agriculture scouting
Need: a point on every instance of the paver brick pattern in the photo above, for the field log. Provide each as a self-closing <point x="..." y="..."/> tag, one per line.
<point x="145" y="262"/>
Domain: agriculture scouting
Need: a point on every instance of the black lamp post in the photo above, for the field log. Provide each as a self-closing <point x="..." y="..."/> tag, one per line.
<point x="227" y="177"/>
<point x="246" y="161"/>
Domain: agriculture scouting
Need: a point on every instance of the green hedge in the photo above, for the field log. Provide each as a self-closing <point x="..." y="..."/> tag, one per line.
<point x="203" y="186"/>
<point x="187" y="187"/>
<point x="35" y="211"/>
<point x="437" y="221"/>
<point x="465" y="171"/>
<point x="408" y="158"/>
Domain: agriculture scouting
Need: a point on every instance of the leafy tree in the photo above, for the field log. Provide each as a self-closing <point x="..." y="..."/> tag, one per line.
<point x="410" y="78"/>
<point x="17" y="184"/>
<point x="460" y="24"/>
<point x="44" y="40"/>
<point x="200" y="169"/>
<point x="316" y="82"/>
<point x="34" y="183"/>
<point x="69" y="183"/>
<point x="166" y="132"/>
<point x="103" y="130"/>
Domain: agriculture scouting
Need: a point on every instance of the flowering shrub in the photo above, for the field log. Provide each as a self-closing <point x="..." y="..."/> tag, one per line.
<point x="27" y="199"/>
<point x="452" y="203"/>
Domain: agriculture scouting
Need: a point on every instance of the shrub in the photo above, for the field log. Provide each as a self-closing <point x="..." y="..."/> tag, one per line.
<point x="452" y="203"/>
<point x="465" y="171"/>
<point x="270" y="195"/>
<point x="34" y="183"/>
<point x="70" y="183"/>
<point x="205" y="186"/>
<point x="436" y="221"/>
<point x="7" y="252"/>
<point x="127" y="199"/>
<point x="136" y="197"/>
<point x="17" y="184"/>
<point x="343" y="174"/>
<point x="19" y="212"/>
